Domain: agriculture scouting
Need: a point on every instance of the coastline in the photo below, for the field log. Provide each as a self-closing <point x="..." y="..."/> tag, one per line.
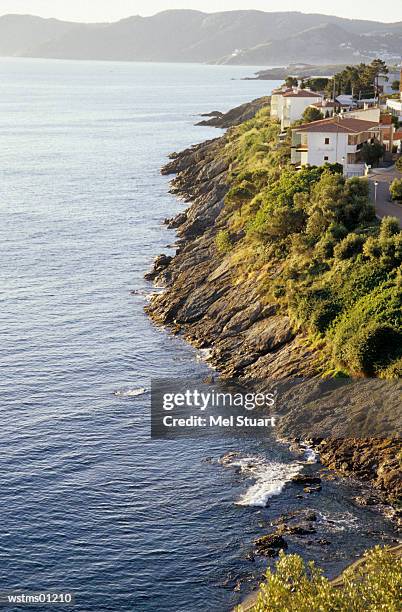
<point x="247" y="339"/>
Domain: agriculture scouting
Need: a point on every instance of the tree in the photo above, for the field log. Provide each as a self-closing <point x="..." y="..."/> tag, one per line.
<point x="372" y="153"/>
<point x="358" y="80"/>
<point x="395" y="85"/>
<point x="291" y="81"/>
<point x="317" y="83"/>
<point x="312" y="114"/>
<point x="395" y="189"/>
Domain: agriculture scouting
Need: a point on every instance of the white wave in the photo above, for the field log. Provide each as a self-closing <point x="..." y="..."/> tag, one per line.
<point x="204" y="354"/>
<point x="339" y="521"/>
<point x="130" y="392"/>
<point x="270" y="478"/>
<point x="310" y="456"/>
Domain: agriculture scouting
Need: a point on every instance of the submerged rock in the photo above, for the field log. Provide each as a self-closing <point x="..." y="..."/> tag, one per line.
<point x="306" y="479"/>
<point x="270" y="545"/>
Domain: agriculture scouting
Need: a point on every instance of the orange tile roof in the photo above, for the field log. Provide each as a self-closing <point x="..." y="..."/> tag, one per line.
<point x="338" y="124"/>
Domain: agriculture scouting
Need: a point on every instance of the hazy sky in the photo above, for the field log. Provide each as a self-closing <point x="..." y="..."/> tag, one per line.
<point x="112" y="10"/>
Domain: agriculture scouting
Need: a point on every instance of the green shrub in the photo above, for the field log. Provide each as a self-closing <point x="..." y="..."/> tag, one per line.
<point x="295" y="586"/>
<point x="398" y="163"/>
<point x="370" y="348"/>
<point x="395" y="189"/>
<point x="389" y="227"/>
<point x="368" y="336"/>
<point x="312" y="114"/>
<point x="223" y="242"/>
<point x="349" y="247"/>
<point x="316" y="308"/>
<point x="393" y="371"/>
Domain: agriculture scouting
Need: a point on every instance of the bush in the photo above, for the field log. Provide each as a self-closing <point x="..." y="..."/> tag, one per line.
<point x="389" y="227"/>
<point x="223" y="242"/>
<point x="368" y="335"/>
<point x="372" y="153"/>
<point x="312" y="114"/>
<point x="349" y="247"/>
<point x="316" y="308"/>
<point x="395" y="189"/>
<point x="299" y="587"/>
<point x="398" y="164"/>
<point x="370" y="348"/>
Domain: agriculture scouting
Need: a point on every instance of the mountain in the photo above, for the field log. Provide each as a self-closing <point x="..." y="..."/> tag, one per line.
<point x="241" y="37"/>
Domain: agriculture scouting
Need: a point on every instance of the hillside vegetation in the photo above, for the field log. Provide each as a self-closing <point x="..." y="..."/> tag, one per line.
<point x="314" y="245"/>
<point x="299" y="587"/>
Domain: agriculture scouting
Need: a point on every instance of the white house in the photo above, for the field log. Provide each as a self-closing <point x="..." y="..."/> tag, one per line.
<point x="395" y="107"/>
<point x="335" y="140"/>
<point x="294" y="103"/>
<point x="328" y="108"/>
<point x="277" y="101"/>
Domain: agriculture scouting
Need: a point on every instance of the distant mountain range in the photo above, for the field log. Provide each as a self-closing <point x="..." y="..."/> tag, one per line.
<point x="232" y="37"/>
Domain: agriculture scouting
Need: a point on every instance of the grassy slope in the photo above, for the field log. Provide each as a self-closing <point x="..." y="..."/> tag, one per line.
<point x="313" y="243"/>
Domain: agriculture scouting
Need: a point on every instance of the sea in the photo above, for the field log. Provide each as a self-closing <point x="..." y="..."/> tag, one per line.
<point x="89" y="502"/>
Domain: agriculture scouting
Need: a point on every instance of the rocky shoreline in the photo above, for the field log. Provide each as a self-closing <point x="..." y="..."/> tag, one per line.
<point x="247" y="339"/>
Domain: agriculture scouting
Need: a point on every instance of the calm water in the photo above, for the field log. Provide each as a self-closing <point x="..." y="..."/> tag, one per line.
<point x="87" y="501"/>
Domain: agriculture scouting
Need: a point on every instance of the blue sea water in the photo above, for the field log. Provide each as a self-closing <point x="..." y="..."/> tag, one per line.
<point x="88" y="502"/>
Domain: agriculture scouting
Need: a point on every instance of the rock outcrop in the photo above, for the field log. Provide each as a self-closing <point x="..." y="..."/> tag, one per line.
<point x="214" y="304"/>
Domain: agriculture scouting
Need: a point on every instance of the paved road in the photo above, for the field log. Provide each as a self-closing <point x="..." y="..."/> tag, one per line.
<point x="383" y="205"/>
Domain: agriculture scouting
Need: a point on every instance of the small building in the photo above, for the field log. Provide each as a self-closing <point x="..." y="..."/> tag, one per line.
<point x="277" y="101"/>
<point x="395" y="107"/>
<point x="335" y="140"/>
<point x="328" y="108"/>
<point x="294" y="103"/>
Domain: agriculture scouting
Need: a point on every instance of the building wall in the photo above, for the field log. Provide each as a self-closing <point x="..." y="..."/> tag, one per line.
<point x="395" y="107"/>
<point x="293" y="109"/>
<point x="335" y="150"/>
<point x="369" y="114"/>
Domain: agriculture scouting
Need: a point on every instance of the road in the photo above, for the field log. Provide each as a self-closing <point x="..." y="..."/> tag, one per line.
<point x="384" y="207"/>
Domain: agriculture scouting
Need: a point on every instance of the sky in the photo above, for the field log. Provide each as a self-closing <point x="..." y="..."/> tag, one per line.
<point x="113" y="10"/>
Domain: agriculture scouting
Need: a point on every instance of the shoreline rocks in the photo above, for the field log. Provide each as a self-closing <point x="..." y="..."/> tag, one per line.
<point x="207" y="303"/>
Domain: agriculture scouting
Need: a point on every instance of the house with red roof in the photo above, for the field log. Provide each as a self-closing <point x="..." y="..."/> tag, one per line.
<point x="289" y="103"/>
<point x="294" y="103"/>
<point x="338" y="139"/>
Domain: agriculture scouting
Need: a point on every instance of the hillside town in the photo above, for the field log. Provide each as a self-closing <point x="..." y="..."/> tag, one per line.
<point x="357" y="132"/>
<point x="361" y="131"/>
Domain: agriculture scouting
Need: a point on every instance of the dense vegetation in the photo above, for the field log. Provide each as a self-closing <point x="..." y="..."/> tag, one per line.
<point x="358" y="80"/>
<point x="315" y="246"/>
<point x="297" y="587"/>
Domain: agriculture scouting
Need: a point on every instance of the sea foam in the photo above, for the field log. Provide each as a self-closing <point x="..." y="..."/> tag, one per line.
<point x="270" y="478"/>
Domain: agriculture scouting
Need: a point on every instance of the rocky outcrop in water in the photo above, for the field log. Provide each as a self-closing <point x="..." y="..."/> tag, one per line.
<point x="237" y="115"/>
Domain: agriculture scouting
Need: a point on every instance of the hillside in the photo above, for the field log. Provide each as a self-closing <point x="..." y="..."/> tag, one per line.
<point x="242" y="37"/>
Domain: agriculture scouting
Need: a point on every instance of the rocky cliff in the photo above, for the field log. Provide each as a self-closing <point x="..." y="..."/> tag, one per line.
<point x="216" y="305"/>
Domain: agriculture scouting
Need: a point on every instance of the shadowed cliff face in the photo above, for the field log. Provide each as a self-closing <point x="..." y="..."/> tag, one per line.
<point x="253" y="342"/>
<point x="203" y="298"/>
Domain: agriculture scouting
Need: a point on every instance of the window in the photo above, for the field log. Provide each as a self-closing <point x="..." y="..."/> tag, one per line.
<point x="326" y="141"/>
<point x="325" y="157"/>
